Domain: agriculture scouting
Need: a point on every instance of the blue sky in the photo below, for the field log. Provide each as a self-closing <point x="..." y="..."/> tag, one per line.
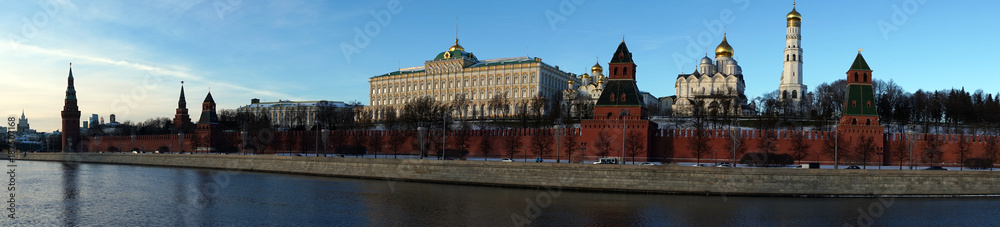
<point x="130" y="56"/>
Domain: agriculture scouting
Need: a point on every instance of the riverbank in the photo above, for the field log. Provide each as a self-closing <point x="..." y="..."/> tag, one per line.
<point x="613" y="178"/>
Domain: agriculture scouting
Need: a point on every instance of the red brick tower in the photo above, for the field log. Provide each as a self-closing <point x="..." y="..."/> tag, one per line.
<point x="70" y="118"/>
<point x="619" y="114"/>
<point x="860" y="119"/>
<point x="182" y="121"/>
<point x="208" y="135"/>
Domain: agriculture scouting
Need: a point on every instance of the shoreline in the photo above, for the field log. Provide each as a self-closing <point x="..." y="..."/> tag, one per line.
<point x="762" y="182"/>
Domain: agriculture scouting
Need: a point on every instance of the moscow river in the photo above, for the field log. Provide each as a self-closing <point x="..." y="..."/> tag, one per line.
<point x="73" y="194"/>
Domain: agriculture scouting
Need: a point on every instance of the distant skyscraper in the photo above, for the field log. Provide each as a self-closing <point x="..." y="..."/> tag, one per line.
<point x="93" y="121"/>
<point x="22" y="124"/>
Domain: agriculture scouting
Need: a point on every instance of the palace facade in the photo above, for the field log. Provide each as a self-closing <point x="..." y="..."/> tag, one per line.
<point x="457" y="72"/>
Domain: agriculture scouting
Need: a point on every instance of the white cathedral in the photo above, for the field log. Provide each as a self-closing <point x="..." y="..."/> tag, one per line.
<point x="718" y="86"/>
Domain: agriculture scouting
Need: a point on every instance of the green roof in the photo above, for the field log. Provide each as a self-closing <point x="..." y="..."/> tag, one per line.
<point x="615" y="89"/>
<point x="860" y="64"/>
<point x="860" y="100"/>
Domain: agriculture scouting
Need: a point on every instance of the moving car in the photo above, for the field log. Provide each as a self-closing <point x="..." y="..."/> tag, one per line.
<point x="853" y="167"/>
<point x="647" y="164"/>
<point x="607" y="161"/>
<point x="507" y="160"/>
<point x="723" y="164"/>
<point x="935" y="168"/>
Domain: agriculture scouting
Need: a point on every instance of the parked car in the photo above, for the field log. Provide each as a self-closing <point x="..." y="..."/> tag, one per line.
<point x="723" y="164"/>
<point x="853" y="167"/>
<point x="647" y="164"/>
<point x="507" y="160"/>
<point x="700" y="165"/>
<point x="935" y="168"/>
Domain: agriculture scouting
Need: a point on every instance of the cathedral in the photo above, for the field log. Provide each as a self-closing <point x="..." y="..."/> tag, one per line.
<point x="580" y="99"/>
<point x="717" y="86"/>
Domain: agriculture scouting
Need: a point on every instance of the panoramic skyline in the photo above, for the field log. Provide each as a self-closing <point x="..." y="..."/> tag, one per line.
<point x="129" y="57"/>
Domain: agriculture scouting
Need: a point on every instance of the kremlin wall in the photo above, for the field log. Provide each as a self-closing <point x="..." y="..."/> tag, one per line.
<point x="618" y="108"/>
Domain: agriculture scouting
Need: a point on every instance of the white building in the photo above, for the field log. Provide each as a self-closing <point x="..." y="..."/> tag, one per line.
<point x="285" y="113"/>
<point x="791" y="77"/>
<point x="579" y="98"/>
<point x="717" y="85"/>
<point x="456" y="71"/>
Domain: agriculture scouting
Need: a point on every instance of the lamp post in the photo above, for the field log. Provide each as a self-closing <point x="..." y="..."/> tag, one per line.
<point x="583" y="150"/>
<point x="558" y="129"/>
<point x="836" y="144"/>
<point x="326" y="138"/>
<point x="623" y="114"/>
<point x="910" y="136"/>
<point x="421" y="133"/>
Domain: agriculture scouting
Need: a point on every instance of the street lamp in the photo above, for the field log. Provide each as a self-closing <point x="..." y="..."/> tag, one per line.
<point x="623" y="114"/>
<point x="421" y="134"/>
<point x="558" y="129"/>
<point x="583" y="150"/>
<point x="910" y="136"/>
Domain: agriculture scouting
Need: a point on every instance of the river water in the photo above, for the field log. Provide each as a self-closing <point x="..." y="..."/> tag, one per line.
<point x="73" y="194"/>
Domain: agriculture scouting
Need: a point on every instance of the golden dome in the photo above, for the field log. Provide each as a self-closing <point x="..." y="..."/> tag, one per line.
<point x="794" y="15"/>
<point x="585" y="76"/>
<point x="724" y="49"/>
<point x="456" y="47"/>
<point x="597" y="67"/>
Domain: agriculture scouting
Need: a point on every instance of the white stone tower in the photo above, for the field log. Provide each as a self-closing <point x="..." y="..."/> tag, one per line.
<point x="791" y="77"/>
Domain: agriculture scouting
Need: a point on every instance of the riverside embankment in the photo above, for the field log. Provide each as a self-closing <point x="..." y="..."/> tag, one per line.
<point x="619" y="178"/>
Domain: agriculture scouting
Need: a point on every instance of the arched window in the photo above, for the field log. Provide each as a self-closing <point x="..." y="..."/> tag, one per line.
<point x="784" y="94"/>
<point x="854" y="121"/>
<point x="616" y="70"/>
<point x="866" y="77"/>
<point x="624" y="71"/>
<point x="795" y="94"/>
<point x="855" y="77"/>
<point x="794" y="57"/>
<point x="787" y="58"/>
<point x="868" y="122"/>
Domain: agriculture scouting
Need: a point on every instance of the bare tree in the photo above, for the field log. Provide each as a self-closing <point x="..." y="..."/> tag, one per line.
<point x="376" y="142"/>
<point x="511" y="143"/>
<point x="800" y="147"/>
<point x="486" y="146"/>
<point x="569" y="144"/>
<point x="460" y="105"/>
<point x="963" y="148"/>
<point x="603" y="143"/>
<point x="541" y="142"/>
<point x="462" y="136"/>
<point x="932" y="151"/>
<point x="866" y="148"/>
<point x="396" y="140"/>
<point x="838" y="147"/>
<point x="698" y="143"/>
<point x="633" y="144"/>
<point x="900" y="152"/>
<point x="992" y="149"/>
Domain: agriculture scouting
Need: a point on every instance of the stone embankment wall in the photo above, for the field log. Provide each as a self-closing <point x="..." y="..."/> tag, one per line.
<point x="630" y="178"/>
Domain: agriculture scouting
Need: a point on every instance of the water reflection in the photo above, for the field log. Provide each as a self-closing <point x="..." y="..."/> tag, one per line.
<point x="117" y="195"/>
<point x="70" y="193"/>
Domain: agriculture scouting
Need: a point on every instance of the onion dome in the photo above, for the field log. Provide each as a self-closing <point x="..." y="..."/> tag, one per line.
<point x="794" y="18"/>
<point x="724" y="49"/>
<point x="597" y="67"/>
<point x="706" y="60"/>
<point x="456" y="47"/>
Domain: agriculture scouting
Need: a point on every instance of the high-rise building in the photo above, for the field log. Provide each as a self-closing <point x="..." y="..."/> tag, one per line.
<point x="791" y="87"/>
<point x="22" y="124"/>
<point x="457" y="72"/>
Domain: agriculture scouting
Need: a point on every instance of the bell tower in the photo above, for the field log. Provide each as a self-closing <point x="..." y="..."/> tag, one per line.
<point x="791" y="87"/>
